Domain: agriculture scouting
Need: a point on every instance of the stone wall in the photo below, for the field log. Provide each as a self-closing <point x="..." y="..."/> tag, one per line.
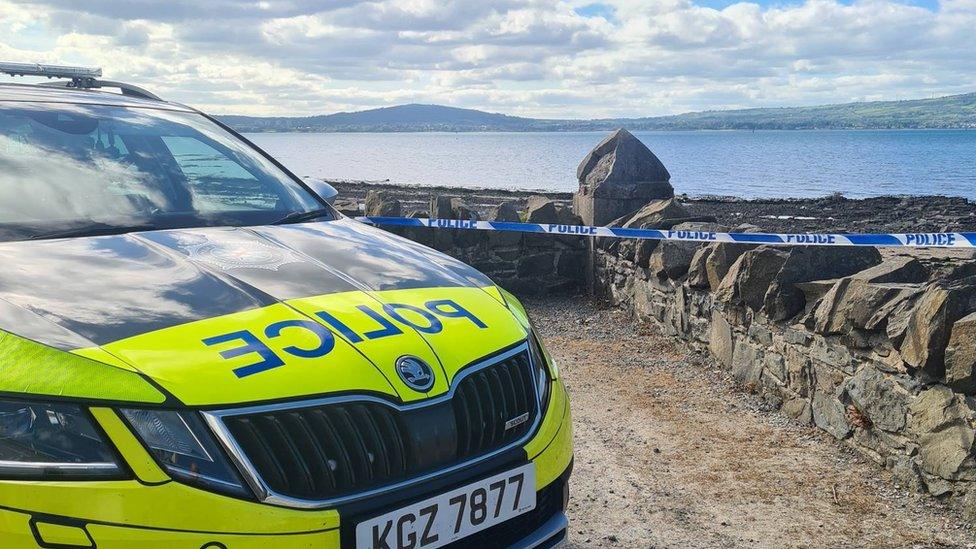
<point x="872" y="349"/>
<point x="526" y="264"/>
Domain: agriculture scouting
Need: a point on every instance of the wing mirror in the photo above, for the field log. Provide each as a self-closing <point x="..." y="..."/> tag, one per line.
<point x="323" y="190"/>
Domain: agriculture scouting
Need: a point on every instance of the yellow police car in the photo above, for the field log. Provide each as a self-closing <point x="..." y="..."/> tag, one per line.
<point x="198" y="351"/>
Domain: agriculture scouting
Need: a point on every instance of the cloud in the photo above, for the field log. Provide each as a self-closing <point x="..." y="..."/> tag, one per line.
<point x="191" y="10"/>
<point x="555" y="58"/>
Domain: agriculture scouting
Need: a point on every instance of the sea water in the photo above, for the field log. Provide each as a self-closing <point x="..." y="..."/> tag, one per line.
<point x="752" y="164"/>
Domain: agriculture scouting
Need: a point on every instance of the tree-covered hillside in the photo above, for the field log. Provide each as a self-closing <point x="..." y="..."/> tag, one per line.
<point x="955" y="111"/>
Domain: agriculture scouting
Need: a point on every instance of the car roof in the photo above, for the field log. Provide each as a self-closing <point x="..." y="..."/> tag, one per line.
<point x="32" y="93"/>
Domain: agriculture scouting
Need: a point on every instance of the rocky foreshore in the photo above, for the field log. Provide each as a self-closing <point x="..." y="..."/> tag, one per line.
<point x="900" y="214"/>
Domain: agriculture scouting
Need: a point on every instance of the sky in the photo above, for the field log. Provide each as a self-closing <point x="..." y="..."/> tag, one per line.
<point x="539" y="58"/>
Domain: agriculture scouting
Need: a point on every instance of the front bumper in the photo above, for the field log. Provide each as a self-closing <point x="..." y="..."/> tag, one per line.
<point x="552" y="533"/>
<point x="153" y="511"/>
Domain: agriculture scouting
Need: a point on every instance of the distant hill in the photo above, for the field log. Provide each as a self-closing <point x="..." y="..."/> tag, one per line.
<point x="954" y="111"/>
<point x="388" y="119"/>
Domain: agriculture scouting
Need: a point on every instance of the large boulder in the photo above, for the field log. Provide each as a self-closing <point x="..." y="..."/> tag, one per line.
<point x="711" y="263"/>
<point x="896" y="269"/>
<point x="784" y="300"/>
<point x="750" y="277"/>
<point x="382" y="204"/>
<point x="506" y="211"/>
<point x="830" y="414"/>
<point x="673" y="258"/>
<point x="747" y="363"/>
<point x="461" y="210"/>
<point x="966" y="269"/>
<point x="720" y="261"/>
<point x="899" y="317"/>
<point x="658" y="214"/>
<point x="960" y="357"/>
<point x="884" y="402"/>
<point x="697" y="277"/>
<point x="617" y="177"/>
<point x="446" y="207"/>
<point x="831" y="315"/>
<point x="440" y="207"/>
<point x="670" y="259"/>
<point x="930" y="324"/>
<point x="541" y="210"/>
<point x="943" y="424"/>
<point x="856" y="303"/>
<point x="867" y="300"/>
<point x="653" y="215"/>
<point x="815" y="290"/>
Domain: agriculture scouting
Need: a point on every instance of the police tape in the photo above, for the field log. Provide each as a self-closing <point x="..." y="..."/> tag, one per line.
<point x="878" y="240"/>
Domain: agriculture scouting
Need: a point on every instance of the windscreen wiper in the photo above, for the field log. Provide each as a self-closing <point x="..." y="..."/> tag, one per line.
<point x="95" y="229"/>
<point x="300" y="217"/>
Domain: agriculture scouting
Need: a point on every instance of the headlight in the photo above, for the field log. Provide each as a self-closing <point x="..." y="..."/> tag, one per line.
<point x="543" y="376"/>
<point x="183" y="445"/>
<point x="48" y="441"/>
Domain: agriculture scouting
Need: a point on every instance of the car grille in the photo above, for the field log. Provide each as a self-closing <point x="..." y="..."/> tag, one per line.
<point x="338" y="449"/>
<point x="488" y="399"/>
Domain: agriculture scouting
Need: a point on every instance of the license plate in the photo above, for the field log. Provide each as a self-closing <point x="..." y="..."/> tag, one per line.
<point x="449" y="517"/>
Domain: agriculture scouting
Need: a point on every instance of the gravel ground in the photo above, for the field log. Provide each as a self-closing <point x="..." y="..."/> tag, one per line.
<point x="668" y="454"/>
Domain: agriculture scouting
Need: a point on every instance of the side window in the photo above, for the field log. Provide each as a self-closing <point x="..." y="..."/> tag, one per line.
<point x="216" y="182"/>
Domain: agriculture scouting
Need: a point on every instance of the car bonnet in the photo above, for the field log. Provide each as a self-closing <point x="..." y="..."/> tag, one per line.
<point x="221" y="316"/>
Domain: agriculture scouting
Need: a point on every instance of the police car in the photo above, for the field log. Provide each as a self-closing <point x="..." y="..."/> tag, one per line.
<point x="198" y="351"/>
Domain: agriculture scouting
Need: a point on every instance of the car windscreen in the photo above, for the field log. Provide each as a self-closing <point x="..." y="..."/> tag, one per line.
<point x="65" y="168"/>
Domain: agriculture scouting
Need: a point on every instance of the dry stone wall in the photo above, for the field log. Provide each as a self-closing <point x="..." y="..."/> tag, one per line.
<point x="526" y="264"/>
<point x="873" y="350"/>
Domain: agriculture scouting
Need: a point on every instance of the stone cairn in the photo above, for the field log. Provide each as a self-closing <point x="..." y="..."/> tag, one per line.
<point x="617" y="178"/>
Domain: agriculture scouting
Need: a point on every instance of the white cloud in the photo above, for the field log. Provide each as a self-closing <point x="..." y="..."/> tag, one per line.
<point x="526" y="57"/>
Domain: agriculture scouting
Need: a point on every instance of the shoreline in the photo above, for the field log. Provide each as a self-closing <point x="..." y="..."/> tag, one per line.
<point x="893" y="213"/>
<point x="612" y="128"/>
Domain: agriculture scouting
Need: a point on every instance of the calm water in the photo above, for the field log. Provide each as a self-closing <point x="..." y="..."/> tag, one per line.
<point x="738" y="163"/>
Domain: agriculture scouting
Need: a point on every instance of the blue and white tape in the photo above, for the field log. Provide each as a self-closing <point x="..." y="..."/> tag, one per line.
<point x="904" y="240"/>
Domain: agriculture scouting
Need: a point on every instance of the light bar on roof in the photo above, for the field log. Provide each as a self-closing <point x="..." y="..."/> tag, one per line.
<point x="49" y="71"/>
